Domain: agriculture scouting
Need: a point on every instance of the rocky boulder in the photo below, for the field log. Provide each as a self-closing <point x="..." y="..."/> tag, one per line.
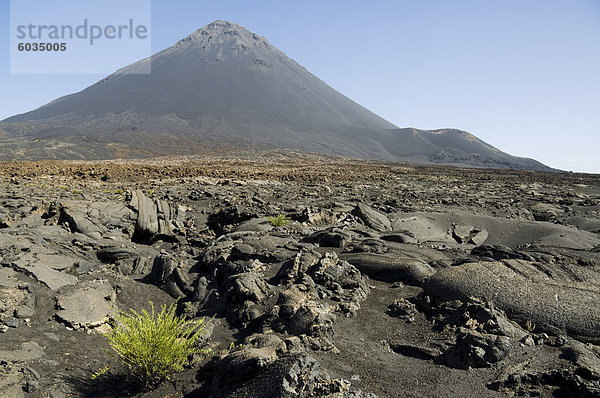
<point x="372" y="218"/>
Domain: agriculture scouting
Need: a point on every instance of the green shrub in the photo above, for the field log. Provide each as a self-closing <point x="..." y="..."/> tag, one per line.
<point x="154" y="346"/>
<point x="279" y="220"/>
<point x="529" y="326"/>
<point x="118" y="191"/>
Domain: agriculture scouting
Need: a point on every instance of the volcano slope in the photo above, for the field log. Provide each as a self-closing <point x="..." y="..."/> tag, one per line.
<point x="225" y="87"/>
<point x="390" y="279"/>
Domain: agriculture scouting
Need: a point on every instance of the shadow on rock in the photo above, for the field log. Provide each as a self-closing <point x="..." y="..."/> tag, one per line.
<point x="108" y="385"/>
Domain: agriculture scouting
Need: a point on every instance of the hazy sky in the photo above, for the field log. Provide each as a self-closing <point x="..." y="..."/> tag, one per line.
<point x="522" y="75"/>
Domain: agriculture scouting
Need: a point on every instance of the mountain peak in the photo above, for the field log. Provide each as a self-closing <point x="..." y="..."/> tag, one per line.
<point x="226" y="84"/>
<point x="220" y="23"/>
<point x="217" y="27"/>
<point x="221" y="31"/>
<point x="221" y="41"/>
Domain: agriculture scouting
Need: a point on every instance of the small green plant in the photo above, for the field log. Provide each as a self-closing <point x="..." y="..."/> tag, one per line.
<point x="118" y="191"/>
<point x="153" y="345"/>
<point x="231" y="347"/>
<point x="76" y="191"/>
<point x="63" y="187"/>
<point x="279" y="220"/>
<point x="529" y="326"/>
<point x="100" y="372"/>
<point x="150" y="191"/>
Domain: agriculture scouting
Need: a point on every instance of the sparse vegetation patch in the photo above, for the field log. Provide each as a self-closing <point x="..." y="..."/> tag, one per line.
<point x="154" y="346"/>
<point x="280" y="220"/>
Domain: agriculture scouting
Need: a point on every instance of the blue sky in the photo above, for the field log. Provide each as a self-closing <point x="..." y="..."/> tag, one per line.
<point x="523" y="76"/>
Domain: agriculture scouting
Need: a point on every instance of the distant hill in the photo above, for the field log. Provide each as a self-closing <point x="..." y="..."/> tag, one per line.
<point x="224" y="86"/>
